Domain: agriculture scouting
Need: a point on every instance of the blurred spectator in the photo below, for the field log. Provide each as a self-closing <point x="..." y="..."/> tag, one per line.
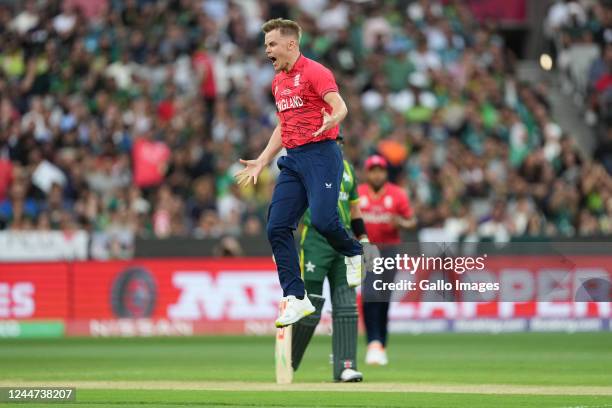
<point x="208" y="225"/>
<point x="580" y="34"/>
<point x="253" y="226"/>
<point x="203" y="198"/>
<point x="6" y="173"/>
<point x="496" y="227"/>
<point x="17" y="207"/>
<point x="228" y="247"/>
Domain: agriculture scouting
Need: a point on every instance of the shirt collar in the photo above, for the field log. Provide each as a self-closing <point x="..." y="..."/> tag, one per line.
<point x="298" y="63"/>
<point x="378" y="194"/>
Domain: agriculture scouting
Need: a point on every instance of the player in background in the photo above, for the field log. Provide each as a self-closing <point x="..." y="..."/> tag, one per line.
<point x="319" y="260"/>
<point x="386" y="210"/>
<point x="310" y="109"/>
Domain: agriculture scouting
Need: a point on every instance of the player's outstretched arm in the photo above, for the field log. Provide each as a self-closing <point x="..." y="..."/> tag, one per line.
<point x="338" y="113"/>
<point x="254" y="167"/>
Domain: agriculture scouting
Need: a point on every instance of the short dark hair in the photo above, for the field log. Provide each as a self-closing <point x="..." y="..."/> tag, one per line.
<point x="286" y="27"/>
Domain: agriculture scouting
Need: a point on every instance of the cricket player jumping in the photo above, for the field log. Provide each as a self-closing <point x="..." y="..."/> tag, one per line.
<point x="309" y="110"/>
<point x="319" y="260"/>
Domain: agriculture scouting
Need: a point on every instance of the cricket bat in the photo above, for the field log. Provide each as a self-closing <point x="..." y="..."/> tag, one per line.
<point x="282" y="355"/>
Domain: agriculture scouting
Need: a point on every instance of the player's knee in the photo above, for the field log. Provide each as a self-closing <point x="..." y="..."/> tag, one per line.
<point x="274" y="231"/>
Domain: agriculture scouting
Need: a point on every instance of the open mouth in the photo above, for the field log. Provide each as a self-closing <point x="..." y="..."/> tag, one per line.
<point x="273" y="61"/>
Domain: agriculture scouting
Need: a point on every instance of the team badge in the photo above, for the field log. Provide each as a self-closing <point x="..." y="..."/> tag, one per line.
<point x="388" y="202"/>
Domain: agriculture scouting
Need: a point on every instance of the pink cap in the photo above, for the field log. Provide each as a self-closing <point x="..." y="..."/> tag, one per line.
<point x="375" y="160"/>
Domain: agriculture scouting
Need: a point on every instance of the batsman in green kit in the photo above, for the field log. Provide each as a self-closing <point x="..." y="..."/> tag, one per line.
<point x="318" y="260"/>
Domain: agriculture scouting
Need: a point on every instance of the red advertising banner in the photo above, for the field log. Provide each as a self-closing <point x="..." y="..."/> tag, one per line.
<point x="34" y="291"/>
<point x="529" y="286"/>
<point x="174" y="297"/>
<point x="145" y="297"/>
<point x="209" y="289"/>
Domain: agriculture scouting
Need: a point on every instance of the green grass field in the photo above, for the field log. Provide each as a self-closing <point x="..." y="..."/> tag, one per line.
<point x="450" y="370"/>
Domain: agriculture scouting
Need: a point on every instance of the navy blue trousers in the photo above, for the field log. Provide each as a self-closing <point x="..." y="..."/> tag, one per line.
<point x="376" y="319"/>
<point x="376" y="303"/>
<point x="310" y="177"/>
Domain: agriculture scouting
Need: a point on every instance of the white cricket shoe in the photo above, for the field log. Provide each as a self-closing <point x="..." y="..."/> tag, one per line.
<point x="294" y="311"/>
<point x="350" y="375"/>
<point x="353" y="270"/>
<point x="376" y="354"/>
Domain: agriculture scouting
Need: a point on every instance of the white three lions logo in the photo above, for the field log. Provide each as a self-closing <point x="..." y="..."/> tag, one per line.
<point x="296" y="80"/>
<point x="388" y="202"/>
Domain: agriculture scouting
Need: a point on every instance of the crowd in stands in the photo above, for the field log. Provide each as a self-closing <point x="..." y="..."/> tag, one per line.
<point x="580" y="37"/>
<point x="128" y="117"/>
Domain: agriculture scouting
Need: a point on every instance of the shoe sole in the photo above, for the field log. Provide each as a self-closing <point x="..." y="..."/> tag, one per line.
<point x="351" y="380"/>
<point x="306" y="313"/>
